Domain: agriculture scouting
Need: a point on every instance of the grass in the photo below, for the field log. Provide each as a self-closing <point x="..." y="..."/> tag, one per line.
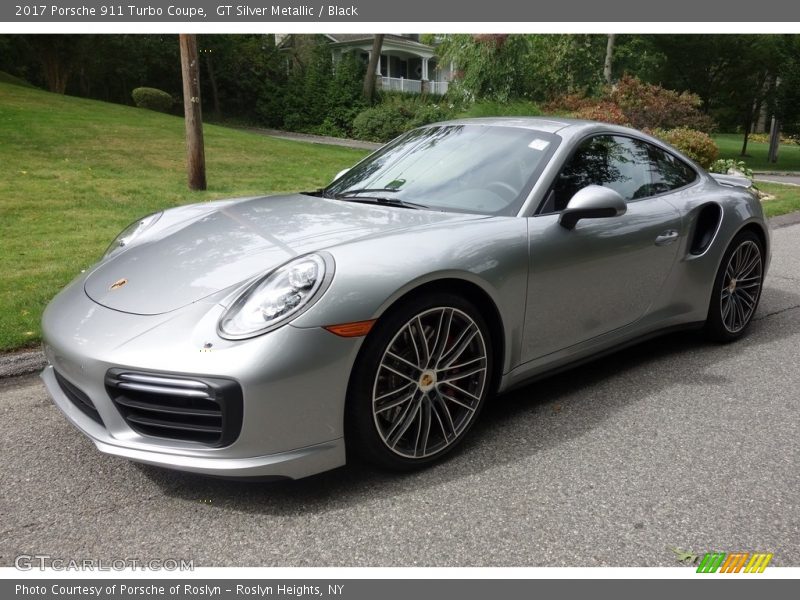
<point x="74" y="172"/>
<point x="730" y="145"/>
<point x="787" y="198"/>
<point x="512" y="108"/>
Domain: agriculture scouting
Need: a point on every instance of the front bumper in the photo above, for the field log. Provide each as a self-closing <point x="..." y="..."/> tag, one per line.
<point x="293" y="383"/>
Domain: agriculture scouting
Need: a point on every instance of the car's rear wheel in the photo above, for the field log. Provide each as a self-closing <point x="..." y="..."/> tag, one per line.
<point x="420" y="382"/>
<point x="737" y="288"/>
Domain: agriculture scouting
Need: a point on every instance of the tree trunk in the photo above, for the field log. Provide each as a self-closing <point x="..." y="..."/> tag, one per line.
<point x="609" y="62"/>
<point x="774" y="140"/>
<point x="372" y="67"/>
<point x="195" y="152"/>
<point x="747" y="127"/>
<point x="56" y="72"/>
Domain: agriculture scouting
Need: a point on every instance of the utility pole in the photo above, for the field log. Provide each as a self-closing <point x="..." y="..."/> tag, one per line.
<point x="193" y="114"/>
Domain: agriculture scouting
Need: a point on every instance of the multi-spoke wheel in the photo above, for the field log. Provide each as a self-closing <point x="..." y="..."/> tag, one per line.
<point x="737" y="288"/>
<point x="422" y="377"/>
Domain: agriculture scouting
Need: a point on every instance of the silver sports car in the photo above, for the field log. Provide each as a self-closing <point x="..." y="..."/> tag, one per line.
<point x="279" y="336"/>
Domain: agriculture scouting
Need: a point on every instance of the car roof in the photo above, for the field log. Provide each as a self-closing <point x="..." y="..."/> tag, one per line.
<point x="544" y="124"/>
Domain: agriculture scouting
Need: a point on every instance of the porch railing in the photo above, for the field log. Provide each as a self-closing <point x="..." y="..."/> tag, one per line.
<point x="413" y="86"/>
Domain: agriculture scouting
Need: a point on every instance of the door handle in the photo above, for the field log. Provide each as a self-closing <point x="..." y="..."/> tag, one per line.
<point x="667" y="237"/>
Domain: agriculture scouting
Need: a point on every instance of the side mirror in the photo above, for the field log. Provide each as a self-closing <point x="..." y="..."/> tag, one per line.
<point x="592" y="202"/>
<point x="340" y="173"/>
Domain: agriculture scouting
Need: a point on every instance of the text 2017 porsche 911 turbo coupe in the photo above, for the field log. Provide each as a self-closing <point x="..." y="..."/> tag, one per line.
<point x="276" y="336"/>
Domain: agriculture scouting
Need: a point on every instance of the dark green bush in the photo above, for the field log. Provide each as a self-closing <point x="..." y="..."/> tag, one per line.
<point x="152" y="99"/>
<point x="396" y="115"/>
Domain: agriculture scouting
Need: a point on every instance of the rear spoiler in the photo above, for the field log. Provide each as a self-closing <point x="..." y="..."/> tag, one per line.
<point x="732" y="180"/>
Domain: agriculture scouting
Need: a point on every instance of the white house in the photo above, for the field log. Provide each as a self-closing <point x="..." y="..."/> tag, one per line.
<point x="406" y="65"/>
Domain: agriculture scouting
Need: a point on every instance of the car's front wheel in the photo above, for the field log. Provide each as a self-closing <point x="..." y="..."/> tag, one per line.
<point x="737" y="288"/>
<point x="420" y="382"/>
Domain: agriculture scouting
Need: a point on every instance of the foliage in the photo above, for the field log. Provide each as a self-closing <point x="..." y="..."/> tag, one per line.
<point x="648" y="105"/>
<point x="76" y="171"/>
<point x="697" y="145"/>
<point x="491" y="67"/>
<point x="152" y="99"/>
<point x="559" y="65"/>
<point x="637" y="104"/>
<point x="726" y="165"/>
<point x="322" y="97"/>
<point x="603" y="111"/>
<point x="396" y="115"/>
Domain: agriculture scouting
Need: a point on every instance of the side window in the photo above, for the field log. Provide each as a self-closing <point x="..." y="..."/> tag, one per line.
<point x="615" y="162"/>
<point x="667" y="171"/>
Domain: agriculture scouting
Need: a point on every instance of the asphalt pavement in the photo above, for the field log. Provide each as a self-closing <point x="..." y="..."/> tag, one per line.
<point x="674" y="443"/>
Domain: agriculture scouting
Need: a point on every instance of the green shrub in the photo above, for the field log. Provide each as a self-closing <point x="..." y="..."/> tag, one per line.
<point x="396" y="115"/>
<point x="381" y="123"/>
<point x="695" y="144"/>
<point x="725" y="165"/>
<point x="152" y="99"/>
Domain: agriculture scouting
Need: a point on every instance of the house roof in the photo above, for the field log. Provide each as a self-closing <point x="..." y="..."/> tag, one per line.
<point x="345" y="39"/>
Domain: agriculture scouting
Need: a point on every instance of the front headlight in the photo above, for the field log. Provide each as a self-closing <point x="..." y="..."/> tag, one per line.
<point x="130" y="233"/>
<point x="275" y="299"/>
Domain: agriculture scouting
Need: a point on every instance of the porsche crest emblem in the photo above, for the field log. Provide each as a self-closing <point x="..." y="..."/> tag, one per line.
<point x="118" y="284"/>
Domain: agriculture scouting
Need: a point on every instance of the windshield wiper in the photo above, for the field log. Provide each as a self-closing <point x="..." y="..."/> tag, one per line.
<point x="348" y="193"/>
<point x="379" y="200"/>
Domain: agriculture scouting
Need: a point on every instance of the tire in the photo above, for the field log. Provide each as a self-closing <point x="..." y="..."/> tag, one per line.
<point x="412" y="399"/>
<point x="737" y="289"/>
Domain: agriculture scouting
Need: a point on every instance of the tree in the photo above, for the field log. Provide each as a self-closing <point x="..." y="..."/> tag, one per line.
<point x="372" y="67"/>
<point x="609" y="62"/>
<point x="193" y="114"/>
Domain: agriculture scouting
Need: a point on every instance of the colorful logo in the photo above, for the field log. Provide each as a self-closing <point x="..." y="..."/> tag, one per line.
<point x="734" y="562"/>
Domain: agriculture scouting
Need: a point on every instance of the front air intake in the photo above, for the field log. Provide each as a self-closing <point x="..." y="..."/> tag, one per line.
<point x="192" y="409"/>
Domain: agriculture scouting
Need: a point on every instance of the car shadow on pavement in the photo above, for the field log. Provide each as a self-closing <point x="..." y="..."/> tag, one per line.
<point x="530" y="420"/>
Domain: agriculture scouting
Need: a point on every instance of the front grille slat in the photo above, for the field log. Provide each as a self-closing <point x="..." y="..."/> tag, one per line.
<point x="147" y="422"/>
<point x="166" y="391"/>
<point x="207" y="410"/>
<point x="161" y="408"/>
<point x="78" y="398"/>
<point x="161" y="381"/>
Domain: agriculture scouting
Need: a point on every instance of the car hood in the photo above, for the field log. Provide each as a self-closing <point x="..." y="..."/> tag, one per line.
<point x="200" y="256"/>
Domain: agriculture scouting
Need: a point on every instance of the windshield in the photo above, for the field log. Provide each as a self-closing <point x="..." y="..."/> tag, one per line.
<point x="485" y="169"/>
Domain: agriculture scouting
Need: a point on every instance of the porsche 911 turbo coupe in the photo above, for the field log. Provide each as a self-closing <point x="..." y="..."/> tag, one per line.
<point x="279" y="336"/>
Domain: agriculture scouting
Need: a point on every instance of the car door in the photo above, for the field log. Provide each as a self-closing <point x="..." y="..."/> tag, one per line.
<point x="605" y="273"/>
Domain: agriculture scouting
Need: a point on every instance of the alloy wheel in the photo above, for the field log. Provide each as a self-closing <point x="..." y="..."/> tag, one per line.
<point x="741" y="286"/>
<point x="429" y="382"/>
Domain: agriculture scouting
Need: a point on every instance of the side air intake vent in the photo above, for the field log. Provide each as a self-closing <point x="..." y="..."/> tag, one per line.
<point x="705" y="228"/>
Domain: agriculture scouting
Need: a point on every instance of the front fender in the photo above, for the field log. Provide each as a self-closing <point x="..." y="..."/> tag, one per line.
<point x="372" y="274"/>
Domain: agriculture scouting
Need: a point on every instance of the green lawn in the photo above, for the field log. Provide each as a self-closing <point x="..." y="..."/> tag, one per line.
<point x="730" y="145"/>
<point x="787" y="198"/>
<point x="74" y="172"/>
